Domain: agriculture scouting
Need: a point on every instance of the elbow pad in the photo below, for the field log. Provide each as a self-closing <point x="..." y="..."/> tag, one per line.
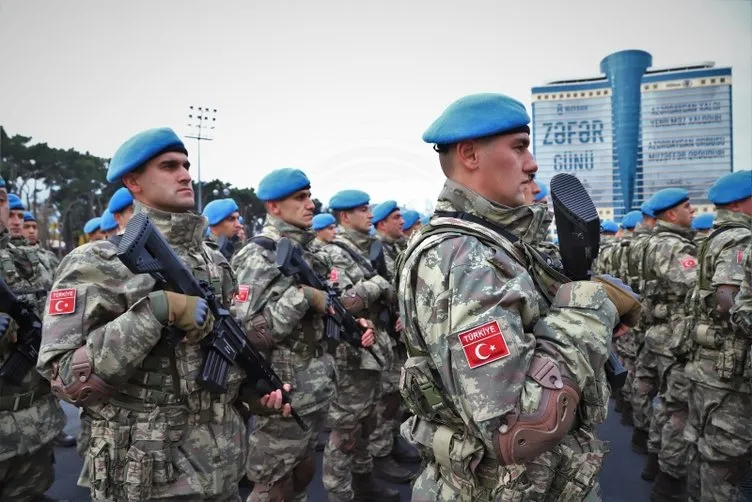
<point x="724" y="297"/>
<point x="87" y="388"/>
<point x="352" y="301"/>
<point x="522" y="437"/>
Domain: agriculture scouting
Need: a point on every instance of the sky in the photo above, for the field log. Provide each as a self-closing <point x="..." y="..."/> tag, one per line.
<point x="340" y="89"/>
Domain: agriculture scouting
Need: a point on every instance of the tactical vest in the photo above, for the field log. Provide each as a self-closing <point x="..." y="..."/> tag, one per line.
<point x="713" y="335"/>
<point x="156" y="381"/>
<point x="657" y="297"/>
<point x="634" y="260"/>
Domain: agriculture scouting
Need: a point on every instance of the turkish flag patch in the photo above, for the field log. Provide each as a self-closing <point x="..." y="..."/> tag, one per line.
<point x="62" y="301"/>
<point x="484" y="344"/>
<point x="688" y="262"/>
<point x="739" y="257"/>
<point x="334" y="276"/>
<point x="242" y="294"/>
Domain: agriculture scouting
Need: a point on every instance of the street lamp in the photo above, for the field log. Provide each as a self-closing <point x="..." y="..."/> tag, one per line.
<point x="202" y="119"/>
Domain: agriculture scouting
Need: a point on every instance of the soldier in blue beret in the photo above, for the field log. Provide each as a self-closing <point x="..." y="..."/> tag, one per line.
<point x="30" y="230"/>
<point x="224" y="225"/>
<point x="281" y="183"/>
<point x="325" y="226"/>
<point x="108" y="329"/>
<point x="15" y="220"/>
<point x="703" y="222"/>
<point x="92" y="229"/>
<point x="387" y="220"/>
<point x="108" y="224"/>
<point x="605" y="263"/>
<point x="631" y="219"/>
<point x="411" y="222"/>
<point x="121" y="207"/>
<point x="542" y="194"/>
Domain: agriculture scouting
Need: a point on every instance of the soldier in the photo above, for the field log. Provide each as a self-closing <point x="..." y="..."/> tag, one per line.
<point x="30" y="417"/>
<point x="92" y="230"/>
<point x="31" y="233"/>
<point x="284" y="320"/>
<point x="626" y="345"/>
<point x="609" y="243"/>
<point x="154" y="433"/>
<point x="702" y="225"/>
<point x="325" y="226"/>
<point x="108" y="225"/>
<point x="121" y="207"/>
<point x="224" y="225"/>
<point x="411" y="219"/>
<point x="385" y="447"/>
<point x="348" y="464"/>
<point x="496" y="375"/>
<point x="719" y="429"/>
<point x="668" y="274"/>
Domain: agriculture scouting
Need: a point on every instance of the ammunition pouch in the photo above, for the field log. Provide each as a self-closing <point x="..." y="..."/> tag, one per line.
<point x="23" y="401"/>
<point x="732" y="359"/>
<point x="522" y="437"/>
<point x="421" y="394"/>
<point x="87" y="388"/>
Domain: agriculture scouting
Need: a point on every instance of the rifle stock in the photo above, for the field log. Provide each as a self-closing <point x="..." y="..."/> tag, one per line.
<point x="579" y="230"/>
<point x="144" y="250"/>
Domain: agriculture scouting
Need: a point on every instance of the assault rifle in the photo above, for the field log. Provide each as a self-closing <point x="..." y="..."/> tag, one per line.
<point x="144" y="250"/>
<point x="339" y="325"/>
<point x="388" y="315"/>
<point x="579" y="230"/>
<point x="26" y="352"/>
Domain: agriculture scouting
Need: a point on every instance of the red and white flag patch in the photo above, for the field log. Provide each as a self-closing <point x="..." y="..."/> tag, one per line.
<point x="688" y="262"/>
<point x="333" y="276"/>
<point x="62" y="301"/>
<point x="242" y="294"/>
<point x="739" y="257"/>
<point x="483" y="344"/>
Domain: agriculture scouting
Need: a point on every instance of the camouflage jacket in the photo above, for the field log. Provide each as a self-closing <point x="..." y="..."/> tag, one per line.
<point x="720" y="352"/>
<point x="48" y="258"/>
<point x="631" y="270"/>
<point x="317" y="245"/>
<point x="474" y="319"/>
<point x="271" y="301"/>
<point x="669" y="272"/>
<point x="741" y="312"/>
<point x="30" y="416"/>
<point x="357" y="280"/>
<point x="160" y="434"/>
<point x="605" y="262"/>
<point x="391" y="252"/>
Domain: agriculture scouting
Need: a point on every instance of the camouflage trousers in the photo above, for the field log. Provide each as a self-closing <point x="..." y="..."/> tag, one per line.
<point x="720" y="437"/>
<point x="281" y="459"/>
<point x="674" y="453"/>
<point x="626" y="348"/>
<point x="650" y="369"/>
<point x="389" y="408"/>
<point x="24" y="477"/>
<point x="352" y="416"/>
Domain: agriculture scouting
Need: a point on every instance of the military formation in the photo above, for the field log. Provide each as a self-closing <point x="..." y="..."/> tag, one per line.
<point x="454" y="340"/>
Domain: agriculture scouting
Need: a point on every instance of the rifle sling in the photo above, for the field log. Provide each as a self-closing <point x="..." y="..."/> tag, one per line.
<point x="461" y="215"/>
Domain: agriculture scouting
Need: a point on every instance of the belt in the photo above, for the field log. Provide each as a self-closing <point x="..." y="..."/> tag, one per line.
<point x="19" y="402"/>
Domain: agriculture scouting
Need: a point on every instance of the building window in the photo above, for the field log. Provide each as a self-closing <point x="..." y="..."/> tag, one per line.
<point x="712" y="81"/>
<point x="723" y="80"/>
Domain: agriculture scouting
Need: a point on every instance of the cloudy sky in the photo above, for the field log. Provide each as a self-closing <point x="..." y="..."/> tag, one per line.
<point x="341" y="89"/>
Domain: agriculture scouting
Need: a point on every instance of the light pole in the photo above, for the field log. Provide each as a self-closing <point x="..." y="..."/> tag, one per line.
<point x="202" y="119"/>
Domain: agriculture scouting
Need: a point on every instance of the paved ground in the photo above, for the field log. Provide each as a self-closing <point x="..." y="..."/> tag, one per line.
<point x="620" y="479"/>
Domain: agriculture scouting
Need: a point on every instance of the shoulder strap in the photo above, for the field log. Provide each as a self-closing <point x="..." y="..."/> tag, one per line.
<point x="359" y="259"/>
<point x="264" y="242"/>
<point x="480" y="221"/>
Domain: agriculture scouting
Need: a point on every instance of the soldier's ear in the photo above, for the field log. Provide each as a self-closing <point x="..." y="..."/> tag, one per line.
<point x="131" y="182"/>
<point x="467" y="154"/>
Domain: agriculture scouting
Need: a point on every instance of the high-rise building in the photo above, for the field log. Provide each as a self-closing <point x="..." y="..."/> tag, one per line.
<point x="634" y="129"/>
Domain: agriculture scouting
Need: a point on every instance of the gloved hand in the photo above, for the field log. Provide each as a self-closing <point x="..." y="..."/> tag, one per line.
<point x="4" y="323"/>
<point x="188" y="313"/>
<point x="627" y="302"/>
<point x="317" y="300"/>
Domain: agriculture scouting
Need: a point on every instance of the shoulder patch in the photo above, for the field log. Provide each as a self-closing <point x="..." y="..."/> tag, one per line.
<point x="739" y="257"/>
<point x="242" y="295"/>
<point x="483" y="344"/>
<point x="688" y="262"/>
<point x="62" y="301"/>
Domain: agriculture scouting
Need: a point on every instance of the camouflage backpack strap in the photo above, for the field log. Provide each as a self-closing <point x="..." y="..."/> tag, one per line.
<point x="265" y="242"/>
<point x="6" y="263"/>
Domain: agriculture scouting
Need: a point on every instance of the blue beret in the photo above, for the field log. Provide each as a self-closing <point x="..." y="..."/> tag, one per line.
<point x="107" y="222"/>
<point x="609" y="226"/>
<point x="92" y="225"/>
<point x="141" y="148"/>
<point x="280" y="183"/>
<point x="411" y="218"/>
<point x="29" y="217"/>
<point x="646" y="209"/>
<point x="477" y="116"/>
<point x="703" y="221"/>
<point x="631" y="219"/>
<point x="381" y="211"/>
<point x="543" y="192"/>
<point x="348" y="199"/>
<point x="217" y="210"/>
<point x="14" y="202"/>
<point x="323" y="220"/>
<point x="120" y="200"/>
<point x="668" y="198"/>
<point x="425" y="219"/>
<point x="731" y="188"/>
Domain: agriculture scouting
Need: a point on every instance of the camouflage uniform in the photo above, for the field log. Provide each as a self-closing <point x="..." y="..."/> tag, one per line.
<point x="668" y="274"/>
<point x="460" y="278"/>
<point x="352" y="415"/>
<point x="48" y="258"/>
<point x="389" y="407"/>
<point x="720" y="398"/>
<point x="281" y="459"/>
<point x="605" y="263"/>
<point x="30" y="416"/>
<point x="158" y="435"/>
